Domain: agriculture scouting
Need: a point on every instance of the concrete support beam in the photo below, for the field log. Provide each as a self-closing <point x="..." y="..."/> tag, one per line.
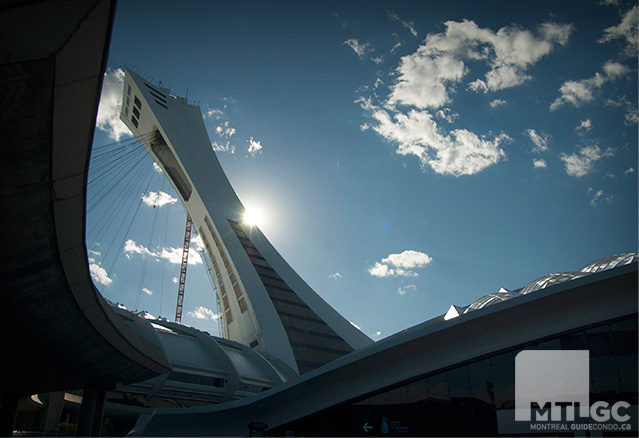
<point x="92" y="411"/>
<point x="53" y="413"/>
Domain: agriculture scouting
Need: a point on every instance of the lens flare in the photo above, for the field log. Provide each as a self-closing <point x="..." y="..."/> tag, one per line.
<point x="253" y="217"/>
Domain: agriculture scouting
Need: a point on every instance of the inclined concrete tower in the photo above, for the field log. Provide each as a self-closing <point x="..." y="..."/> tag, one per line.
<point x="264" y="302"/>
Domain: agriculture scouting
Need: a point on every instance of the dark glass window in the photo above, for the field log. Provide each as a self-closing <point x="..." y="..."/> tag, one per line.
<point x="624" y="335"/>
<point x="137" y="102"/>
<point x="599" y="341"/>
<point x="128" y="91"/>
<point x="604" y="377"/>
<point x="503" y="367"/>
<point x="417" y="391"/>
<point x="134" y="121"/>
<point x="460" y="401"/>
<point x="627" y="366"/>
<point x="573" y="341"/>
<point x="438" y="422"/>
<point x="398" y="396"/>
<point x="229" y="316"/>
<point x="237" y="290"/>
<point x="552" y="344"/>
<point x="243" y="306"/>
<point x="483" y="397"/>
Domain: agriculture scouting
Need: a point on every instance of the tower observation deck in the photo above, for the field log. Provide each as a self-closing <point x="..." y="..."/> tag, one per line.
<point x="265" y="304"/>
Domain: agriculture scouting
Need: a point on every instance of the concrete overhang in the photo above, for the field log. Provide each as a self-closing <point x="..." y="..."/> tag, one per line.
<point x="57" y="330"/>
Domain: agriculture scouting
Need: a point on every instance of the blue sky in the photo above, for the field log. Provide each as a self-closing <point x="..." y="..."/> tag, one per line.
<point x="406" y="156"/>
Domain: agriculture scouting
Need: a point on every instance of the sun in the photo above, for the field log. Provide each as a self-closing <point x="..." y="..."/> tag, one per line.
<point x="253" y="217"/>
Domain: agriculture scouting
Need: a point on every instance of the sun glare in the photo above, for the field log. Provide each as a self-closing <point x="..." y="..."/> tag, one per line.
<point x="253" y="217"/>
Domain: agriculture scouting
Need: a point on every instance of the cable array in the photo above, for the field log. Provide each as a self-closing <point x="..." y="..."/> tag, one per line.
<point x="120" y="173"/>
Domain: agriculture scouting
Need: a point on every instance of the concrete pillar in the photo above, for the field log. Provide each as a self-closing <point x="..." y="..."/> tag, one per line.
<point x="53" y="413"/>
<point x="91" y="411"/>
<point x="8" y="412"/>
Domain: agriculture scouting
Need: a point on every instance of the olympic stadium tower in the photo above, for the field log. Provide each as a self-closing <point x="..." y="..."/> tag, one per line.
<point x="264" y="302"/>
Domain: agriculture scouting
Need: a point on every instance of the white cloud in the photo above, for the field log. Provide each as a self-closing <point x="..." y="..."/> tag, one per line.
<point x="175" y="280"/>
<point x="147" y="291"/>
<point x="632" y="115"/>
<point x="629" y="171"/>
<point x="585" y="125"/>
<point x="131" y="247"/>
<point x="407" y="24"/>
<point x="447" y="114"/>
<point x="224" y="130"/>
<point x="626" y="30"/>
<point x="213" y="113"/>
<point x="578" y="92"/>
<point x="427" y="79"/>
<point x="459" y="152"/>
<point x="584" y="91"/>
<point x="509" y="52"/>
<point x="172" y="255"/>
<point x="157" y="168"/>
<point x="360" y="48"/>
<point x="614" y="70"/>
<point x="198" y="243"/>
<point x="218" y="147"/>
<point x="335" y="276"/>
<point x="598" y="197"/>
<point x="497" y="102"/>
<point x="203" y="313"/>
<point x="540" y="140"/>
<point x="108" y="118"/>
<point x="582" y="162"/>
<point x="255" y="147"/>
<point x="158" y="199"/>
<point x="540" y="163"/>
<point x="403" y="289"/>
<point x="423" y="80"/>
<point x="399" y="265"/>
<point x="380" y="270"/>
<point x="408" y="259"/>
<point x="99" y="274"/>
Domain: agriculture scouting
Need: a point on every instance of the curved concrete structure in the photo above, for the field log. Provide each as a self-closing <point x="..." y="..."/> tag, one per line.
<point x="205" y="369"/>
<point x="337" y="392"/>
<point x="58" y="332"/>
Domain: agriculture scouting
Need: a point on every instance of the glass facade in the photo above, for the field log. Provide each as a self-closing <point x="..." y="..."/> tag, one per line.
<point x="313" y="342"/>
<point x="465" y="400"/>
